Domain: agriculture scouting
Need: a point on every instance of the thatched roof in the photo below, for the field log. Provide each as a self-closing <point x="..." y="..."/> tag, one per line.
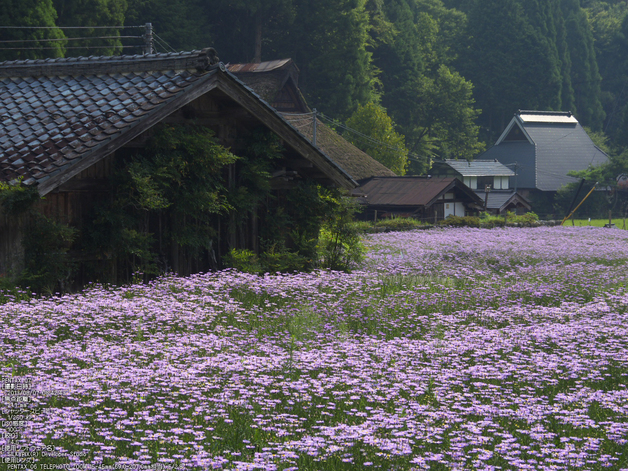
<point x="356" y="163"/>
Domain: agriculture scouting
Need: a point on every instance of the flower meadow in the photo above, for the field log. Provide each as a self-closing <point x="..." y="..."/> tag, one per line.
<point x="452" y="348"/>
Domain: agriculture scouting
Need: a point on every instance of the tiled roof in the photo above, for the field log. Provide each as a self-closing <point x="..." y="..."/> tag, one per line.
<point x="479" y="168"/>
<point x="55" y="111"/>
<point x="410" y="191"/>
<point x="49" y="122"/>
<point x="356" y="163"/>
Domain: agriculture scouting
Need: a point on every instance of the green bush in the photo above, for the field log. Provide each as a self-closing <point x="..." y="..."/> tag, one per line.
<point x="283" y="261"/>
<point x="488" y="221"/>
<point x="364" y="227"/>
<point x="460" y="221"/>
<point x="399" y="224"/>
<point x="529" y="219"/>
<point x="339" y="244"/>
<point x="46" y="243"/>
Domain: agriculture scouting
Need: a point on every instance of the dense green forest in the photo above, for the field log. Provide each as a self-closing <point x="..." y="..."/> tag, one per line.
<point x="447" y="74"/>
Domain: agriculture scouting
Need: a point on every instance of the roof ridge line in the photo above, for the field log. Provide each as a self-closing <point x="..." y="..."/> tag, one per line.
<point x="94" y="65"/>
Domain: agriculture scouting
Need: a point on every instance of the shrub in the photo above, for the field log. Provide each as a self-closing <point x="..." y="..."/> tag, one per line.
<point x="46" y="244"/>
<point x="529" y="219"/>
<point x="277" y="258"/>
<point x="399" y="224"/>
<point x="339" y="244"/>
<point x="488" y="221"/>
<point x="460" y="221"/>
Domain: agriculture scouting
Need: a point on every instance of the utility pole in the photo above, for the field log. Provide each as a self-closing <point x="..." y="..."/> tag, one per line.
<point x="148" y="38"/>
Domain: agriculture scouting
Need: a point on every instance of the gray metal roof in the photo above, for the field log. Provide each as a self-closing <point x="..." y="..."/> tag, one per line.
<point x="500" y="200"/>
<point x="557" y="145"/>
<point x="479" y="168"/>
<point x="521" y="156"/>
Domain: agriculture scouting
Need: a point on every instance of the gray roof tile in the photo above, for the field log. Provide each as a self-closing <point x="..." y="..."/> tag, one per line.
<point x="55" y="119"/>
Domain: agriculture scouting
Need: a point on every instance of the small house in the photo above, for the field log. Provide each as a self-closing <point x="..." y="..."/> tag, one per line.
<point x="490" y="180"/>
<point x="428" y="199"/>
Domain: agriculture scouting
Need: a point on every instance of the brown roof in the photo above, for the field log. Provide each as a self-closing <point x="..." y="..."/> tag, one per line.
<point x="59" y="116"/>
<point x="355" y="162"/>
<point x="410" y="191"/>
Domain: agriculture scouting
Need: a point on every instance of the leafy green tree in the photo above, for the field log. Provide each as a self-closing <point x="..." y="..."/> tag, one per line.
<point x="30" y="44"/>
<point x="371" y="120"/>
<point x="432" y="104"/>
<point x="92" y="13"/>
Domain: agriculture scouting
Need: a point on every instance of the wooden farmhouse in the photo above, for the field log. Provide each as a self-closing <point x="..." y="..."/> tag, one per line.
<point x="428" y="199"/>
<point x="65" y="122"/>
<point x="542" y="147"/>
<point x="483" y="175"/>
<point x="277" y="82"/>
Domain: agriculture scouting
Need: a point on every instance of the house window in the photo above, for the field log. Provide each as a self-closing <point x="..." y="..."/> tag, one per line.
<point x="471" y="182"/>
<point x="500" y="183"/>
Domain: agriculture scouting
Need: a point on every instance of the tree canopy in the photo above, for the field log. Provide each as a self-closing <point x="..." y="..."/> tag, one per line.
<point x="449" y="73"/>
<point x="385" y="144"/>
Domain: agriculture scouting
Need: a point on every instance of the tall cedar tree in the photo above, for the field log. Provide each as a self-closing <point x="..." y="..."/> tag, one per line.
<point x="511" y="64"/>
<point x="94" y="13"/>
<point x="33" y="13"/>
<point x="328" y="40"/>
<point x="179" y="24"/>
<point x="245" y="30"/>
<point x="586" y="78"/>
<point x="609" y="24"/>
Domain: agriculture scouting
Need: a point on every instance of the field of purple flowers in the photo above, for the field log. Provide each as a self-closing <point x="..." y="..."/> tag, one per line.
<point x="448" y="349"/>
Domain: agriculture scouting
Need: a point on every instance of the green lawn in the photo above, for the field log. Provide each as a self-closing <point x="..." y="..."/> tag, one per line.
<point x="619" y="223"/>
